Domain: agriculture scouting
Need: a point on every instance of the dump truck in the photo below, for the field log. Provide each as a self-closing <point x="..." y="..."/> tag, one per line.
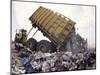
<point x="55" y="26"/>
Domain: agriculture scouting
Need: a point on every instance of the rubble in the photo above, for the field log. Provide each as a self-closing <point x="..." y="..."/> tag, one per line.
<point x="25" y="62"/>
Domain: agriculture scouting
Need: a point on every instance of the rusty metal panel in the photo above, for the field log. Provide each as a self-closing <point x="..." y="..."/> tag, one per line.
<point x="58" y="30"/>
<point x="45" y="11"/>
<point x="51" y="22"/>
<point x="45" y="16"/>
<point x="58" y="21"/>
<point x="40" y="15"/>
<point x="56" y="25"/>
<point x="37" y="13"/>
<point x="48" y="19"/>
<point x="63" y="25"/>
<point x="65" y="32"/>
<point x="69" y="27"/>
<point x="51" y="30"/>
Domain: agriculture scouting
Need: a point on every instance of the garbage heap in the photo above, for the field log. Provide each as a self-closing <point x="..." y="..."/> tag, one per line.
<point x="25" y="61"/>
<point x="75" y="43"/>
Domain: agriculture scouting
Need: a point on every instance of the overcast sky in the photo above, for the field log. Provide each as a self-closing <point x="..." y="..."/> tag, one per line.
<point x="84" y="16"/>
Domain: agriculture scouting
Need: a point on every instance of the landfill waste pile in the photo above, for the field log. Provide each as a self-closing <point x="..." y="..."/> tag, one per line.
<point x="75" y="43"/>
<point x="25" y="61"/>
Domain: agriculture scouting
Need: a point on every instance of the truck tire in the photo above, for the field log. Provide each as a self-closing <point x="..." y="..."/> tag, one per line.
<point x="44" y="46"/>
<point x="31" y="43"/>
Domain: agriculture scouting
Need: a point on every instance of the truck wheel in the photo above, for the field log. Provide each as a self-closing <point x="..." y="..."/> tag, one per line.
<point x="31" y="43"/>
<point x="44" y="46"/>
